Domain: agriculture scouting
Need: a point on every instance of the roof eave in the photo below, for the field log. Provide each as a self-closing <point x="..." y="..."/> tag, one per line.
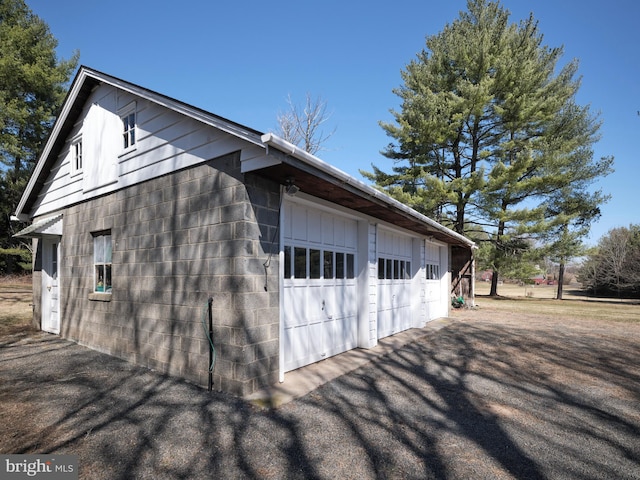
<point x="366" y="190"/>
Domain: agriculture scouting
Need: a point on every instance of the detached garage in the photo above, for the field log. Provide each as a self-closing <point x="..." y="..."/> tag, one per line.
<point x="357" y="265"/>
<point x="349" y="280"/>
<point x="148" y="214"/>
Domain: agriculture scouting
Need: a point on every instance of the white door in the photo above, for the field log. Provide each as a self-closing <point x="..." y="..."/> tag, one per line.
<point x="395" y="273"/>
<point x="319" y="285"/>
<point x="50" y="285"/>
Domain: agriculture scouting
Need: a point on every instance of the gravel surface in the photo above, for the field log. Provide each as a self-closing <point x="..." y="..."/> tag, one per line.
<point x="478" y="399"/>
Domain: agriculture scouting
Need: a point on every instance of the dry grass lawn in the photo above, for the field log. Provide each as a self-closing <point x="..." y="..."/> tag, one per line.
<point x="539" y="301"/>
<point x="15" y="305"/>
<point x="513" y="301"/>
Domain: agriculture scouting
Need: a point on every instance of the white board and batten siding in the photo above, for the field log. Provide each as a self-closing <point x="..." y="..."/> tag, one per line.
<point x="166" y="141"/>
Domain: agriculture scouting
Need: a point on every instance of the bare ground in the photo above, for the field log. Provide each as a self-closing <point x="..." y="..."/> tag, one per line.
<point x="493" y="394"/>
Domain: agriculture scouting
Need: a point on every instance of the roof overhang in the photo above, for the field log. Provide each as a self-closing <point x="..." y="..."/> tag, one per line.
<point x="320" y="179"/>
<point x="46" y="227"/>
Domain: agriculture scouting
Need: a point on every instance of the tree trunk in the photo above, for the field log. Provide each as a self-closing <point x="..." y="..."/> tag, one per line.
<point x="560" y="280"/>
<point x="494" y="284"/>
<point x="498" y="252"/>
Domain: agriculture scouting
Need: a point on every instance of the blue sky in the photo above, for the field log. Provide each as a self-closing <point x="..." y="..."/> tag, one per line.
<point x="241" y="60"/>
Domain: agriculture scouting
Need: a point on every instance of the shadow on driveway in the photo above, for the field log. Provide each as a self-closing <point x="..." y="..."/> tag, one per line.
<point x="476" y="399"/>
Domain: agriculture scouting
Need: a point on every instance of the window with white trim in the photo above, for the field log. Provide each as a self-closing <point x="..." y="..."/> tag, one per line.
<point x="128" y="117"/>
<point x="102" y="250"/>
<point x="76" y="155"/>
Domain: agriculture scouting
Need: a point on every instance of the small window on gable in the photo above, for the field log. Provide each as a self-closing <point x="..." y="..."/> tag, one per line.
<point x="76" y="155"/>
<point x="102" y="250"/>
<point x="128" y="117"/>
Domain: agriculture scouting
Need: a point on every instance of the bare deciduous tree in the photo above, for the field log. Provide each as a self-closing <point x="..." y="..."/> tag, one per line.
<point x="302" y="126"/>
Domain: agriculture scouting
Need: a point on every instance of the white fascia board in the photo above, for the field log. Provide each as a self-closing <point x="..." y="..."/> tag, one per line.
<point x="290" y="149"/>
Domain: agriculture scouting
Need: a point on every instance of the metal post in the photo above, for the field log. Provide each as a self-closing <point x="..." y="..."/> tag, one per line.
<point x="211" y="340"/>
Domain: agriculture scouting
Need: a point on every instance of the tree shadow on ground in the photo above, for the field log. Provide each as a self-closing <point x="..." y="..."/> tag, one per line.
<point x="473" y="400"/>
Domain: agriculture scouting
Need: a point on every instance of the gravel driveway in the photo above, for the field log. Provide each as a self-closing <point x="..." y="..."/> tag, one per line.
<point x="477" y="399"/>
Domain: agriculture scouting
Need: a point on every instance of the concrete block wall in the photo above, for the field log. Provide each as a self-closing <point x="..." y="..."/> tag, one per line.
<point x="178" y="240"/>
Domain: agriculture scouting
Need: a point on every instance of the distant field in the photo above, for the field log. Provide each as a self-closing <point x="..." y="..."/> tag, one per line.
<point x="532" y="291"/>
<point x="529" y="303"/>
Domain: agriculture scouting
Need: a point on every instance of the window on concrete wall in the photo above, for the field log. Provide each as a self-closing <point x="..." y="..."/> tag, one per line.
<point x="102" y="250"/>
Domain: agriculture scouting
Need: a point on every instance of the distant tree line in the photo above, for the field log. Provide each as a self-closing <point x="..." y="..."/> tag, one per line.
<point x="613" y="267"/>
<point x="33" y="84"/>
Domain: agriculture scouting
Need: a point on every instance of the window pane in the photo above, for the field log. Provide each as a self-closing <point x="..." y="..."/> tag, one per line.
<point x="99" y="287"/>
<point x="339" y="265"/>
<point x="408" y="270"/>
<point x="381" y="269"/>
<point x="287" y="262"/>
<point x="107" y="249"/>
<point x="125" y="134"/>
<point x="328" y="264"/>
<point x="396" y="269"/>
<point x="389" y="272"/>
<point x="54" y="260"/>
<point x="314" y="263"/>
<point x="107" y="278"/>
<point x="300" y="267"/>
<point x="350" y="265"/>
<point x="98" y="249"/>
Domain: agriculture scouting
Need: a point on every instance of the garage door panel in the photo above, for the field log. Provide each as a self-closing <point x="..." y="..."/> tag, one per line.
<point x="320" y="296"/>
<point x="327" y="229"/>
<point x="298" y="224"/>
<point x="296" y="345"/>
<point x="295" y="304"/>
<point x="395" y="255"/>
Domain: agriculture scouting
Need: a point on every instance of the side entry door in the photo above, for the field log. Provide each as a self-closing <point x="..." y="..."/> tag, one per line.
<point x="50" y="285"/>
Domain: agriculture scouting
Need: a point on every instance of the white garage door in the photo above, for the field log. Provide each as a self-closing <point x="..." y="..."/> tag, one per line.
<point x="394" y="283"/>
<point x="319" y="286"/>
